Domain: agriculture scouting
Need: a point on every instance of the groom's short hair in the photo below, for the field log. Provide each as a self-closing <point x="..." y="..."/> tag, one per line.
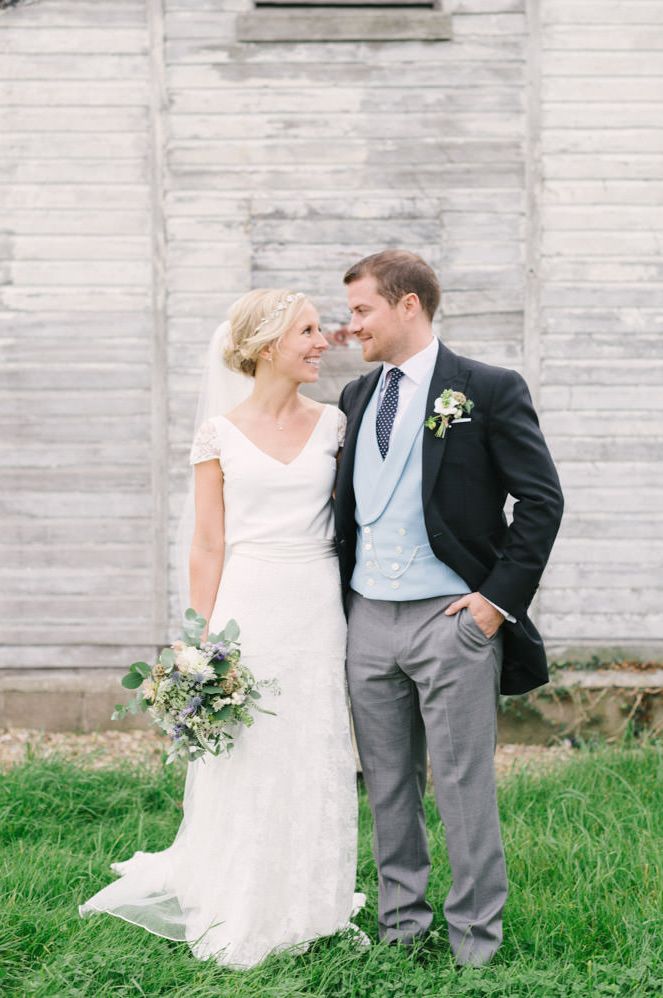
<point x="399" y="273"/>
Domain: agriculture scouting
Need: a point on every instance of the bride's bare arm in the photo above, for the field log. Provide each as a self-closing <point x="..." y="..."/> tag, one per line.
<point x="208" y="545"/>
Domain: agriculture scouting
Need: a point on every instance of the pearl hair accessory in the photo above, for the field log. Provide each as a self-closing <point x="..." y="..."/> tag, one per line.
<point x="281" y="307"/>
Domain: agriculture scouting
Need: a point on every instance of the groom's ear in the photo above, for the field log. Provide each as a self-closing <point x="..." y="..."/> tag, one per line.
<point x="410" y="304"/>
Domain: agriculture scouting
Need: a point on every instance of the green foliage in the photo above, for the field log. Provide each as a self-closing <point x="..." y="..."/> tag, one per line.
<point x="583" y="918"/>
<point x="231" y="631"/>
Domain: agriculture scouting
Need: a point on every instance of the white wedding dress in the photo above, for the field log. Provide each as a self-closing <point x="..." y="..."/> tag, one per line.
<point x="265" y="856"/>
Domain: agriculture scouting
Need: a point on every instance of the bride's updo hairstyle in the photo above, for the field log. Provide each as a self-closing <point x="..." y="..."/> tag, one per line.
<point x="258" y="319"/>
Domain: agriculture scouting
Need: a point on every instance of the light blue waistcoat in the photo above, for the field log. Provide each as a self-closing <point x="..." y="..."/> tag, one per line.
<point x="394" y="558"/>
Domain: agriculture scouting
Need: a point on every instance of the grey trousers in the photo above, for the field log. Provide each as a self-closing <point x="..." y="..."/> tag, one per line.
<point x="418" y="678"/>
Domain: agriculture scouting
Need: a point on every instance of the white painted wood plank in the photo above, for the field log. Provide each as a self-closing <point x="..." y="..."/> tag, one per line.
<point x="38" y="299"/>
<point x="68" y="93"/>
<point x="79" y="248"/>
<point x="603" y="271"/>
<point x="612" y="64"/>
<point x="614" y="192"/>
<point x="626" y="165"/>
<point x="610" y="39"/>
<point x="247" y="99"/>
<point x="603" y="345"/>
<point x="56" y="145"/>
<point x="598" y="319"/>
<point x="432" y="180"/>
<point x="296" y="124"/>
<point x="94" y="222"/>
<point x="603" y="89"/>
<point x="77" y="274"/>
<point x="602" y="628"/>
<point x="599" y="141"/>
<point x="50" y="196"/>
<point x="600" y="397"/>
<point x="292" y="76"/>
<point x="84" y="171"/>
<point x="628" y="447"/>
<point x="73" y="14"/>
<point x="602" y="12"/>
<point x="90" y="67"/>
<point x="73" y="119"/>
<point x="610" y="242"/>
<point x="98" y="40"/>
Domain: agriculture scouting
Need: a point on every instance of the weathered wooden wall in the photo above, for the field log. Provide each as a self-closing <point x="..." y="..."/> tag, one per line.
<point x="601" y="315"/>
<point x="155" y="167"/>
<point x="78" y="558"/>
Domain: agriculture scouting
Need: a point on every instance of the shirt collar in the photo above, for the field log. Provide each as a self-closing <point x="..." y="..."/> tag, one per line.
<point x="418" y="366"/>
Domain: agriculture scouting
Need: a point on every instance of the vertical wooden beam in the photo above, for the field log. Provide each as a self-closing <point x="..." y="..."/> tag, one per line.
<point x="159" y="365"/>
<point x="533" y="192"/>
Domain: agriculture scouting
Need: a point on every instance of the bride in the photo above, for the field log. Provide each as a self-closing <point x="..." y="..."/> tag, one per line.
<point x="265" y="857"/>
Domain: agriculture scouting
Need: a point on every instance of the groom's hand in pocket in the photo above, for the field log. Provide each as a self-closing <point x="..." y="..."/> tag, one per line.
<point x="486" y="616"/>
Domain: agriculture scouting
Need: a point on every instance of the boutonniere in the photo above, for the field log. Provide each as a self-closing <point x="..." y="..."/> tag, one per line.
<point x="449" y="405"/>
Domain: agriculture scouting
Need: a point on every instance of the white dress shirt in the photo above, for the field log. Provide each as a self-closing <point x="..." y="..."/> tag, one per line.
<point x="415" y="369"/>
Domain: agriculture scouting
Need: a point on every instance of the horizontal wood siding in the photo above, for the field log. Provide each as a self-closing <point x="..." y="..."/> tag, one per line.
<point x="76" y="551"/>
<point x="601" y="290"/>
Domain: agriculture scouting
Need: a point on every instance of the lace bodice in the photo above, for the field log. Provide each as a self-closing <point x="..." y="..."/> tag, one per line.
<point x="265" y="499"/>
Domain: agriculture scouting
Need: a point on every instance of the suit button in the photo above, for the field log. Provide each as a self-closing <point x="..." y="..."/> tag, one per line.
<point x="369" y="564"/>
<point x="399" y="550"/>
<point x="371" y="582"/>
<point x="395" y="585"/>
<point x="402" y="531"/>
<point x="368" y="547"/>
<point x="395" y="566"/>
<point x="367" y="530"/>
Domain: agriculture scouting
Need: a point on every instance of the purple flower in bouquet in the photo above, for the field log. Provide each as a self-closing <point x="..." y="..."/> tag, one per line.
<point x="177" y="731"/>
<point x="191" y="708"/>
<point x="200" y="677"/>
<point x="217" y="651"/>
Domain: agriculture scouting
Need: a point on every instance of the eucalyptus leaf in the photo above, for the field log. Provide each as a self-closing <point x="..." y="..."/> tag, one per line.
<point x="144" y="704"/>
<point x="142" y="668"/>
<point x="132" y="681"/>
<point x="221" y="667"/>
<point x="190" y="614"/>
<point x="167" y="658"/>
<point x="231" y="630"/>
<point x="223" y="714"/>
<point x="255" y="695"/>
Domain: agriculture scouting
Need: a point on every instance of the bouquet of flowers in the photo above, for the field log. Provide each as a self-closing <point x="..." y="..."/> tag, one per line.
<point x="197" y="690"/>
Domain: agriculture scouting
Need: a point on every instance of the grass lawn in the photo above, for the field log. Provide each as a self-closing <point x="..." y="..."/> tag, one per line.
<point x="583" y="846"/>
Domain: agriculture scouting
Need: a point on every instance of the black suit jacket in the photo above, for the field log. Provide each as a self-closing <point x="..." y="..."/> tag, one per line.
<point x="466" y="477"/>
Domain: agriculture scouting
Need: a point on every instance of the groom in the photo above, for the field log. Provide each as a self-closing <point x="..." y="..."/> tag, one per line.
<point x="437" y="586"/>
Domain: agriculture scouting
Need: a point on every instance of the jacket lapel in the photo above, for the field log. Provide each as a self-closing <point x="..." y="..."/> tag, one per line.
<point x="344" y="487"/>
<point x="446" y="374"/>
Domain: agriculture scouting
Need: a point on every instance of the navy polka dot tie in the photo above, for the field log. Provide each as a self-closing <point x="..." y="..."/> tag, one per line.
<point x="387" y="411"/>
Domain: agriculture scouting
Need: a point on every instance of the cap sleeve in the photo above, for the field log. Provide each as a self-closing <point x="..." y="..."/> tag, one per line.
<point x="342" y="423"/>
<point x="205" y="445"/>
